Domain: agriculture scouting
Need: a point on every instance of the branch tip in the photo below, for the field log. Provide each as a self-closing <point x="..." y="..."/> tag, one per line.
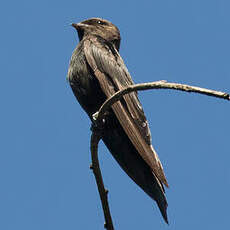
<point x="162" y="84"/>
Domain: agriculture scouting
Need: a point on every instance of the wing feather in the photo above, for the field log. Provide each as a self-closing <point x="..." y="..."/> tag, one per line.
<point x="112" y="75"/>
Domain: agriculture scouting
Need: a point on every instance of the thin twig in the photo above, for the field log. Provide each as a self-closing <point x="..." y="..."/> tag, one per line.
<point x="95" y="138"/>
<point x="96" y="134"/>
<point x="156" y="85"/>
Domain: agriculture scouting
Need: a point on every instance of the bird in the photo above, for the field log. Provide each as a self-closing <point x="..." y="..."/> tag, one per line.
<point x="97" y="71"/>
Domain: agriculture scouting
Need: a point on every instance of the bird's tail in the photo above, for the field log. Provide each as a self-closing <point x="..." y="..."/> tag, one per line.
<point x="132" y="163"/>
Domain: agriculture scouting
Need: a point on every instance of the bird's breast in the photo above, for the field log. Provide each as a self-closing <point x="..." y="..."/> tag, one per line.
<point x="84" y="84"/>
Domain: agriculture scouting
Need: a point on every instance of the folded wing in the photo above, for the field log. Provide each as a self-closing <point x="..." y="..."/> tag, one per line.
<point x="112" y="74"/>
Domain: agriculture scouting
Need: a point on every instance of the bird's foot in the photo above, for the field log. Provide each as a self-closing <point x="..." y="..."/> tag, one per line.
<point x="95" y="116"/>
<point x="97" y="126"/>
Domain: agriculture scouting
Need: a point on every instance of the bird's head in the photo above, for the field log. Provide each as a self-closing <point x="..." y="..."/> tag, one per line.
<point x="99" y="27"/>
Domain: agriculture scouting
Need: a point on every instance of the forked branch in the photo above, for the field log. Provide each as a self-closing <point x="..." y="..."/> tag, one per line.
<point x="96" y="134"/>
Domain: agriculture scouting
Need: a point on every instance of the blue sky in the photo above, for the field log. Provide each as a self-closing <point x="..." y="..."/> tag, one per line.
<point x="44" y="161"/>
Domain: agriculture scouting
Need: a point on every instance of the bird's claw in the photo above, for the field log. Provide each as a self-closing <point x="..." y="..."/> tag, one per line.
<point x="95" y="116"/>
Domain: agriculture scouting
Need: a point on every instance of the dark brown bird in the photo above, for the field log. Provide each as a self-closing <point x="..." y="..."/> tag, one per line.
<point x="95" y="73"/>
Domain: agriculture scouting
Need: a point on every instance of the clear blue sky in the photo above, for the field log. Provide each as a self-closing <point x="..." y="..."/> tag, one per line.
<point x="45" y="181"/>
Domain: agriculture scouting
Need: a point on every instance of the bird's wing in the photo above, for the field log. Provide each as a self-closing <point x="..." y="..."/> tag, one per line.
<point x="112" y="74"/>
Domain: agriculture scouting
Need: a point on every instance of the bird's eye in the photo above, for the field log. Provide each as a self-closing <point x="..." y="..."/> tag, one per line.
<point x="101" y="22"/>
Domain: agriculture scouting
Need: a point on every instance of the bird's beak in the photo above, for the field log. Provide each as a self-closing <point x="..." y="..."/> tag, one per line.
<point x="74" y="25"/>
<point x="79" y="25"/>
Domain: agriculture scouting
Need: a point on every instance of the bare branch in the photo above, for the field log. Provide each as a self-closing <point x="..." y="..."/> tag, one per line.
<point x="95" y="138"/>
<point x="96" y="133"/>
<point x="156" y="85"/>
